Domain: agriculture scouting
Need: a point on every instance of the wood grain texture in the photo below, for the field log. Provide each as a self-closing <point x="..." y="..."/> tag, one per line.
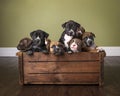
<point x="61" y="67"/>
<point x="78" y="68"/>
<point x="65" y="78"/>
<point x="66" y="57"/>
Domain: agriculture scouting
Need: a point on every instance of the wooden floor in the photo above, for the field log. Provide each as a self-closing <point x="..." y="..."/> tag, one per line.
<point x="9" y="85"/>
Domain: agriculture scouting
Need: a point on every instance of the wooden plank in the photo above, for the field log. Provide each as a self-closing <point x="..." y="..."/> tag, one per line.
<point x="54" y="78"/>
<point x="21" y="67"/>
<point x="66" y="83"/>
<point x="58" y="67"/>
<point x="38" y="56"/>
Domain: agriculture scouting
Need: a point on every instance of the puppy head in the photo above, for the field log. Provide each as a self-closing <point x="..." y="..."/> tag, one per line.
<point x="88" y="38"/>
<point x="24" y="44"/>
<point x="80" y="32"/>
<point x="57" y="48"/>
<point x="75" y="45"/>
<point x="71" y="27"/>
<point x="39" y="37"/>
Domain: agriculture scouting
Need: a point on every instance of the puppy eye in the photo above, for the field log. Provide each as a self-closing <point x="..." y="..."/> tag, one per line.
<point x="21" y="43"/>
<point x="53" y="46"/>
<point x="60" y="46"/>
<point x="85" y="38"/>
<point x="91" y="37"/>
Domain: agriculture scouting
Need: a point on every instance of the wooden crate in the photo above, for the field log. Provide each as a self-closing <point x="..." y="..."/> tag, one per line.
<point x="77" y="68"/>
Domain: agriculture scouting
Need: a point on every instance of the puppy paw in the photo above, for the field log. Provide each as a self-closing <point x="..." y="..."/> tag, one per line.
<point x="29" y="53"/>
<point x="69" y="52"/>
<point x="100" y="49"/>
<point x="45" y="52"/>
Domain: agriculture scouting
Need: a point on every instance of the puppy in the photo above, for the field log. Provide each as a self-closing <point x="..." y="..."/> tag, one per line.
<point x="88" y="43"/>
<point x="72" y="30"/>
<point x="55" y="48"/>
<point x="38" y="41"/>
<point x="75" y="45"/>
<point x="24" y="44"/>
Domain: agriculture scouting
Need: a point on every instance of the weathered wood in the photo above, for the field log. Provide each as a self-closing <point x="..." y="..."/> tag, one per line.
<point x="54" y="78"/>
<point x="58" y="67"/>
<point x="78" y="68"/>
<point x="21" y="68"/>
<point x="89" y="56"/>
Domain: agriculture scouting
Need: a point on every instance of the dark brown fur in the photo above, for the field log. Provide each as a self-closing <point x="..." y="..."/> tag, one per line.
<point x="24" y="44"/>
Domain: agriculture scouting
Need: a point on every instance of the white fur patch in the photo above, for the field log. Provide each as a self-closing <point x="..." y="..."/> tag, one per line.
<point x="73" y="47"/>
<point x="88" y="41"/>
<point x="67" y="39"/>
<point x="80" y="32"/>
<point x="38" y="38"/>
<point x="100" y="49"/>
<point x="71" y="30"/>
<point x="46" y="42"/>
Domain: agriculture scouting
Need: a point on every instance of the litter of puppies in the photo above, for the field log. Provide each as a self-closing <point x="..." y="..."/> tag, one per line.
<point x="73" y="39"/>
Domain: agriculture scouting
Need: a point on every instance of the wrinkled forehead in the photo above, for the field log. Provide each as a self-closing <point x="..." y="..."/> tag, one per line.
<point x="88" y="34"/>
<point x="70" y="24"/>
<point x="38" y="34"/>
<point x="76" y="40"/>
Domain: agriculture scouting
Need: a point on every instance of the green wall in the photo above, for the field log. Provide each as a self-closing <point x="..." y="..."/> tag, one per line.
<point x="20" y="17"/>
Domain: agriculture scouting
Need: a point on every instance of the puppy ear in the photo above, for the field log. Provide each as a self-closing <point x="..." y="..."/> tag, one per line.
<point x="61" y="45"/>
<point x="63" y="25"/>
<point x="77" y="24"/>
<point x="31" y="34"/>
<point x="46" y="35"/>
<point x="53" y="46"/>
<point x="82" y="29"/>
<point x="71" y="41"/>
<point x="93" y="34"/>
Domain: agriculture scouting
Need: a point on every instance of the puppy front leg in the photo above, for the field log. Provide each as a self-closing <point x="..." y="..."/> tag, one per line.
<point x="99" y="49"/>
<point x="29" y="52"/>
<point x="45" y="50"/>
<point x="69" y="51"/>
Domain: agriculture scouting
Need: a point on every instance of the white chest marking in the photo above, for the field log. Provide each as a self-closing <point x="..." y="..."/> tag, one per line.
<point x="67" y="39"/>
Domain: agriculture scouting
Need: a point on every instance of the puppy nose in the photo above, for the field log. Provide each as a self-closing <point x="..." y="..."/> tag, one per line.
<point x="90" y="42"/>
<point x="18" y="47"/>
<point x="57" y="49"/>
<point x="71" y="33"/>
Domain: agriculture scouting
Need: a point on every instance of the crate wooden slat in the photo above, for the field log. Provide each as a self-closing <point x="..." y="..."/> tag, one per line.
<point x="61" y="67"/>
<point x="61" y="78"/>
<point x="67" y="57"/>
<point x="77" y="68"/>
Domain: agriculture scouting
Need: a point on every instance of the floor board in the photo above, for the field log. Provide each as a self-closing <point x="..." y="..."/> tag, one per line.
<point x="9" y="85"/>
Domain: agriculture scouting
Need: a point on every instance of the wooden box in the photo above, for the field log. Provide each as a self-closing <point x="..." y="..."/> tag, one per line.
<point x="77" y="68"/>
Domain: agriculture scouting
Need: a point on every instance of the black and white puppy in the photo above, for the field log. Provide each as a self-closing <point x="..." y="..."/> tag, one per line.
<point x="72" y="30"/>
<point x="38" y="41"/>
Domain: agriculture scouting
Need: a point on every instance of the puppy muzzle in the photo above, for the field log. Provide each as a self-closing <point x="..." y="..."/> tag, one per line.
<point x="71" y="33"/>
<point x="89" y="43"/>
